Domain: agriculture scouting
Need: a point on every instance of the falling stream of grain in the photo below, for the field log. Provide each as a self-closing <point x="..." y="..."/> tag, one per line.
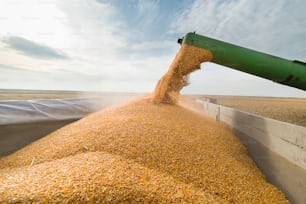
<point x="186" y="61"/>
<point x="154" y="149"/>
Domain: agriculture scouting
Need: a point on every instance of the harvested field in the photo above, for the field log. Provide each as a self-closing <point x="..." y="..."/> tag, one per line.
<point x="290" y="110"/>
<point x="11" y="94"/>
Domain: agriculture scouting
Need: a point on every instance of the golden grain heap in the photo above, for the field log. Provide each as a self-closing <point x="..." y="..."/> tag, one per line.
<point x="139" y="152"/>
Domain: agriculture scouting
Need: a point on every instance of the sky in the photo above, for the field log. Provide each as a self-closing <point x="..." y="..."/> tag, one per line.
<point x="127" y="45"/>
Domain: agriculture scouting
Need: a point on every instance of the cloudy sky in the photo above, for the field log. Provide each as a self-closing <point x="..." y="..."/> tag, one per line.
<point x="127" y="45"/>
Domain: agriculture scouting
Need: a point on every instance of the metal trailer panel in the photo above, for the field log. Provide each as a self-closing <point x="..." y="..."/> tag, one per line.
<point x="278" y="148"/>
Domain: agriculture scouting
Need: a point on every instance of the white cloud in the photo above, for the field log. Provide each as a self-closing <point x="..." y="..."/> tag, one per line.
<point x="32" y="49"/>
<point x="149" y="45"/>
<point x="88" y="31"/>
<point x="94" y="27"/>
<point x="148" y="10"/>
<point x="276" y="27"/>
<point x="40" y="21"/>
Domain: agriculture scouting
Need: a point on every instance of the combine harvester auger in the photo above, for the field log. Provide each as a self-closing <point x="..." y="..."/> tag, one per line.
<point x="279" y="70"/>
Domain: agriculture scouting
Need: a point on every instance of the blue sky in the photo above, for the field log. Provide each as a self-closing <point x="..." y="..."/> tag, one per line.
<point x="127" y="45"/>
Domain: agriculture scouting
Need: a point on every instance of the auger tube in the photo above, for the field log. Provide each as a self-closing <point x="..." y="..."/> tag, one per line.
<point x="283" y="71"/>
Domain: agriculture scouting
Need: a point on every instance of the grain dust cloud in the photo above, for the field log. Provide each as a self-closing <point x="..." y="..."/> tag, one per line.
<point x="151" y="149"/>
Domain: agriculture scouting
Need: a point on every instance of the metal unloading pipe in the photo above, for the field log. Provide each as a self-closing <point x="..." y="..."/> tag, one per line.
<point x="283" y="71"/>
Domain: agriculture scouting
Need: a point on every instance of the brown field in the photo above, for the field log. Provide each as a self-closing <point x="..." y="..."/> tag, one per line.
<point x="7" y="94"/>
<point x="291" y="110"/>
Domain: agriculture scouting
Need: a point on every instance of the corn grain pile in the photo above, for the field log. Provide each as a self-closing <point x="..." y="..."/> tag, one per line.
<point x="137" y="152"/>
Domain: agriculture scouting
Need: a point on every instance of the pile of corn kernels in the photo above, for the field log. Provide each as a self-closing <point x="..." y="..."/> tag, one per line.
<point x="137" y="152"/>
<point x="141" y="152"/>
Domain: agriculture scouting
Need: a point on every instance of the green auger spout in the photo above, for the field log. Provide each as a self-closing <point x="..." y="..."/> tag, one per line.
<point x="283" y="71"/>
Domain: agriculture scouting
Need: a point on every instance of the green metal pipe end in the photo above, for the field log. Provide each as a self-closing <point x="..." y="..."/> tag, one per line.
<point x="283" y="71"/>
